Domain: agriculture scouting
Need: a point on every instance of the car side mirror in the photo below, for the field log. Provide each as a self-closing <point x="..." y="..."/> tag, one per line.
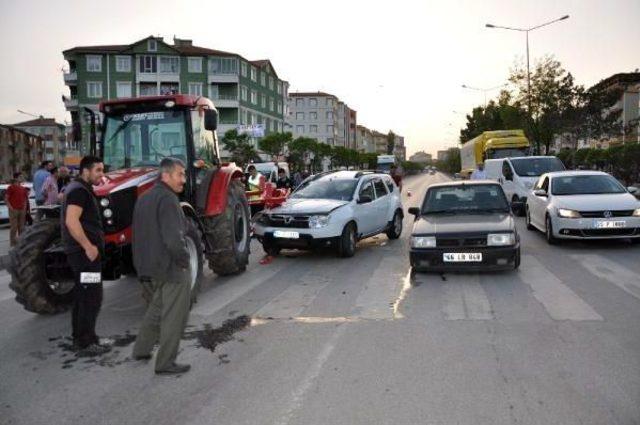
<point x="540" y="192"/>
<point x="210" y="119"/>
<point x="364" y="199"/>
<point x="414" y="211"/>
<point x="633" y="190"/>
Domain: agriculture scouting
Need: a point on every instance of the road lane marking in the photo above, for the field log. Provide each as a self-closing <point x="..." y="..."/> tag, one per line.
<point x="465" y="298"/>
<point x="612" y="272"/>
<point x="560" y="302"/>
<point x="378" y="296"/>
<point x="292" y="301"/>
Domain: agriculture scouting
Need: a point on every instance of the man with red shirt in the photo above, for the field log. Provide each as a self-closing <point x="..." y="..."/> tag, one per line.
<point x="396" y="176"/>
<point x="16" y="198"/>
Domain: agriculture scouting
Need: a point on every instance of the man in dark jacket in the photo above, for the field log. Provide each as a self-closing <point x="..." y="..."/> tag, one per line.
<point x="161" y="259"/>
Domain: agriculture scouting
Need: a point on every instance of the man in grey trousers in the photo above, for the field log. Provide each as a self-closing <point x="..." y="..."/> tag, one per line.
<point x="162" y="261"/>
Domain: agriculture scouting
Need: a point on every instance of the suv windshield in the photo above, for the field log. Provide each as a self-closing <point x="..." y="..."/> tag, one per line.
<point x="338" y="189"/>
<point x="465" y="199"/>
<point x="585" y="185"/>
<point x="506" y="153"/>
<point x="143" y="139"/>
<point x="534" y="167"/>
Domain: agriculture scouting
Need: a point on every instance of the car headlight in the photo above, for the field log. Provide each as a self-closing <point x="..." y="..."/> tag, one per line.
<point x="636" y="213"/>
<point x="564" y="213"/>
<point x="318" y="221"/>
<point x="501" y="239"/>
<point x="104" y="202"/>
<point x="107" y="213"/>
<point x="423" y="241"/>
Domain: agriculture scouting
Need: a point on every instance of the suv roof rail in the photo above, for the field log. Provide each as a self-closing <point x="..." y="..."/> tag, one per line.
<point x="363" y="172"/>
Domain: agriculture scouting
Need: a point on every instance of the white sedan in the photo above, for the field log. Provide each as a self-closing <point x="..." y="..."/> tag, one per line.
<point x="335" y="208"/>
<point x="583" y="205"/>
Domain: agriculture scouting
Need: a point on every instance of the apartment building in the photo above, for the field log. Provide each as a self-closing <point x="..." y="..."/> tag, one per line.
<point x="54" y="136"/>
<point x="380" y="142"/>
<point x="20" y="151"/>
<point x="399" y="149"/>
<point x="421" y="157"/>
<point x="364" y="140"/>
<point x="322" y="116"/>
<point x="246" y="92"/>
<point x="442" y="155"/>
<point x="628" y="85"/>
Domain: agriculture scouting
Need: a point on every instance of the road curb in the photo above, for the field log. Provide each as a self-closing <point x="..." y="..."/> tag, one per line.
<point x="4" y="262"/>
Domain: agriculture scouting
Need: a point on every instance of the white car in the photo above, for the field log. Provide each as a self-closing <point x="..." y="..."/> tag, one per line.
<point x="334" y="208"/>
<point x="518" y="175"/>
<point x="583" y="205"/>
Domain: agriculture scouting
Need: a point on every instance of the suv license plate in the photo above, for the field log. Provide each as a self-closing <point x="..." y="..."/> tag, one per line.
<point x="609" y="224"/>
<point x="286" y="235"/>
<point x="462" y="257"/>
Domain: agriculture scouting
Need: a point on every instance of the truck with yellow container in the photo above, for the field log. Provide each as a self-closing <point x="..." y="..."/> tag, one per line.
<point x="492" y="145"/>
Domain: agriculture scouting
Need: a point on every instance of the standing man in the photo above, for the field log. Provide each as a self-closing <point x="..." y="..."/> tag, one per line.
<point x="161" y="259"/>
<point x="38" y="180"/>
<point x="479" y="173"/>
<point x="283" y="181"/>
<point x="257" y="184"/>
<point x="83" y="240"/>
<point x="395" y="175"/>
<point x="17" y="199"/>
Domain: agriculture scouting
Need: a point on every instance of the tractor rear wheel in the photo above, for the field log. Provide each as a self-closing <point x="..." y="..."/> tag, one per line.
<point x="36" y="291"/>
<point x="228" y="234"/>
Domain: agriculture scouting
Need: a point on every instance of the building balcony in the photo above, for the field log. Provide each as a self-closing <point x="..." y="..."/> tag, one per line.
<point x="223" y="78"/>
<point x="71" y="102"/>
<point x="70" y="78"/>
<point x="225" y="100"/>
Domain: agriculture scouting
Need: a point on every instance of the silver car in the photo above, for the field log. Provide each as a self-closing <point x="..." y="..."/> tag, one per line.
<point x="583" y="205"/>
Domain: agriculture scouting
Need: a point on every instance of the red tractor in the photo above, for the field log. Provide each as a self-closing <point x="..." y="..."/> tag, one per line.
<point x="136" y="134"/>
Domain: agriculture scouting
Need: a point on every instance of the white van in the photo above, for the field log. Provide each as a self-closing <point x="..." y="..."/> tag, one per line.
<point x="518" y="175"/>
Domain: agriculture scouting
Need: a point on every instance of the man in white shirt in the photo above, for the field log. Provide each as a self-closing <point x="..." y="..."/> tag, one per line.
<point x="479" y="173"/>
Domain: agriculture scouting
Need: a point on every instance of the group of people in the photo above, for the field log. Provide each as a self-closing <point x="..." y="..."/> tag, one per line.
<point x="255" y="184"/>
<point x="160" y="257"/>
<point x="49" y="183"/>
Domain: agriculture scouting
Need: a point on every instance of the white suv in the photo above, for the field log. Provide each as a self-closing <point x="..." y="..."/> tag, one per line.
<point x="335" y="208"/>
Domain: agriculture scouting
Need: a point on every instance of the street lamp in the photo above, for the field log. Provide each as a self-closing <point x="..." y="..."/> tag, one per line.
<point x="526" y="31"/>
<point x="483" y="90"/>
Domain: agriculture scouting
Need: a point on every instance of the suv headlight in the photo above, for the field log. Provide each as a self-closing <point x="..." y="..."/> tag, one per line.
<point x="636" y="213"/>
<point x="501" y="239"/>
<point x="564" y="213"/>
<point x="423" y="241"/>
<point x="318" y="221"/>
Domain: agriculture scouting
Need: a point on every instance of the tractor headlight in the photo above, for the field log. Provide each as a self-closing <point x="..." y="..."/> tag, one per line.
<point x="564" y="213"/>
<point x="423" y="241"/>
<point x="501" y="239"/>
<point x="318" y="221"/>
<point x="107" y="213"/>
<point x="104" y="202"/>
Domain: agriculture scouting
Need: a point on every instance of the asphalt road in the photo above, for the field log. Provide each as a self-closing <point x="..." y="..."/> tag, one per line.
<point x="358" y="341"/>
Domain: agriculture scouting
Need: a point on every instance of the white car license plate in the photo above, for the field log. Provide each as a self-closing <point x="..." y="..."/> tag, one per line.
<point x="462" y="257"/>
<point x="608" y="224"/>
<point x="286" y="235"/>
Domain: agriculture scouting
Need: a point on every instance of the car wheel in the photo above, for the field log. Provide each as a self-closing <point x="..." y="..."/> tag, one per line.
<point x="395" y="228"/>
<point x="552" y="240"/>
<point x="347" y="241"/>
<point x="516" y="263"/>
<point x="517" y="210"/>
<point x="528" y="219"/>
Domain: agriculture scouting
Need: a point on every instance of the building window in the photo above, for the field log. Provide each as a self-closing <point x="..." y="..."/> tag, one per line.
<point x="263" y="79"/>
<point x="123" y="63"/>
<point x="330" y="140"/>
<point x="271" y="83"/>
<point x="94" y="89"/>
<point x="330" y="129"/>
<point x="299" y="102"/>
<point x="329" y="102"/>
<point x="244" y="92"/>
<point x="252" y="118"/>
<point x="264" y="101"/>
<point x="223" y="66"/>
<point x="243" y="69"/>
<point x="299" y="116"/>
<point x="169" y="65"/>
<point x="313" y="129"/>
<point x="195" y="89"/>
<point x="300" y="129"/>
<point x="148" y="89"/>
<point x="313" y="102"/>
<point x="254" y="74"/>
<point x="272" y="104"/>
<point x="195" y="65"/>
<point x="279" y="107"/>
<point x="152" y="45"/>
<point x="279" y="88"/>
<point x="94" y="63"/>
<point x="329" y="115"/>
<point x="148" y="64"/>
<point x="123" y="89"/>
<point x="313" y="116"/>
<point x="254" y="97"/>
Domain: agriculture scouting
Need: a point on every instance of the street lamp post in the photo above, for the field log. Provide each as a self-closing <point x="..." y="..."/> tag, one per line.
<point x="526" y="31"/>
<point x="483" y="90"/>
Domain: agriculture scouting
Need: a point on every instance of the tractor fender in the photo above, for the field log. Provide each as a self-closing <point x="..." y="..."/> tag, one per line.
<point x="190" y="212"/>
<point x="219" y="189"/>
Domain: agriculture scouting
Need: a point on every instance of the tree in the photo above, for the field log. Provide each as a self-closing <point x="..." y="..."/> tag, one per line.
<point x="503" y="115"/>
<point x="239" y="146"/>
<point x="391" y="142"/>
<point x="273" y="144"/>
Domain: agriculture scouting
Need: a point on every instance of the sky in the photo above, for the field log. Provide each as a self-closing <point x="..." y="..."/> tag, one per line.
<point x="400" y="64"/>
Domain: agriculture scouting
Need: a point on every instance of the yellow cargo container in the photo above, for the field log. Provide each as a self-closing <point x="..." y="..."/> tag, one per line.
<point x="492" y="145"/>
